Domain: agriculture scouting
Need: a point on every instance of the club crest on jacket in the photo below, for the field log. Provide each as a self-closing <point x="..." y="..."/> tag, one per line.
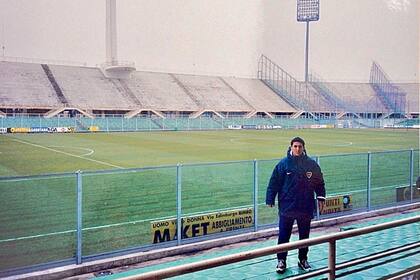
<point x="309" y="174"/>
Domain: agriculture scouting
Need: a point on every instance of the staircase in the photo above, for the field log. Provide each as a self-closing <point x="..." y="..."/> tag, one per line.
<point x="251" y="114"/>
<point x="126" y="91"/>
<point x="393" y="98"/>
<point x="156" y="123"/>
<point x="297" y="114"/>
<point x="55" y="85"/>
<point x="53" y="112"/>
<point x="81" y="126"/>
<point x="181" y="85"/>
<point x="326" y="92"/>
<point x="282" y="83"/>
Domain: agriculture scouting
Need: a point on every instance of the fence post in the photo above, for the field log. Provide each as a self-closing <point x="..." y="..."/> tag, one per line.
<point x="316" y="200"/>
<point x="369" y="170"/>
<point x="255" y="195"/>
<point x="178" y="204"/>
<point x="79" y="217"/>
<point x="411" y="174"/>
<point x="331" y="260"/>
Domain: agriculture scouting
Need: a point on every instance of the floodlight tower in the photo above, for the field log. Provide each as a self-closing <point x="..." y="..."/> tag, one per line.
<point x="111" y="32"/>
<point x="307" y="11"/>
<point x="112" y="68"/>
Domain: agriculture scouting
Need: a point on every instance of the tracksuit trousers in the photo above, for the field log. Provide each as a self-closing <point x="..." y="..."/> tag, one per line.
<point x="285" y="231"/>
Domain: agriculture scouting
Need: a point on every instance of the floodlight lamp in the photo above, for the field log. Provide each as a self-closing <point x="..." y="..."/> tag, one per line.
<point x="307" y="10"/>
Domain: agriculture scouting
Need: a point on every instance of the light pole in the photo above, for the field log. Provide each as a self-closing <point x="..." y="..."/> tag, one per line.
<point x="307" y="10"/>
<point x="3" y="48"/>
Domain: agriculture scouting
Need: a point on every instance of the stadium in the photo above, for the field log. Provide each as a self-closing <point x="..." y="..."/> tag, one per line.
<point x="151" y="158"/>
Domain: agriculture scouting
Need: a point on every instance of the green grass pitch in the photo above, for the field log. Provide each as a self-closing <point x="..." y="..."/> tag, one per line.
<point x="39" y="215"/>
<point x="28" y="154"/>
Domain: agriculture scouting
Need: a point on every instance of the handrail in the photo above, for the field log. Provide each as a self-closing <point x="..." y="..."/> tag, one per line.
<point x="284" y="84"/>
<point x="331" y="239"/>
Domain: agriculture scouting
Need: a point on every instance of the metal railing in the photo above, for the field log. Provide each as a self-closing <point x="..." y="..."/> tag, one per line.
<point x="319" y="84"/>
<point x="330" y="239"/>
<point x="393" y="97"/>
<point x="284" y="84"/>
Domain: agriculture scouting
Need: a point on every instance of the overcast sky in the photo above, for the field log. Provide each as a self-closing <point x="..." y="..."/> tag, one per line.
<point x="220" y="37"/>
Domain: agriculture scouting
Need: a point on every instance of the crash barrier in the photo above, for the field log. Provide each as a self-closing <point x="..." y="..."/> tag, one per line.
<point x="67" y="218"/>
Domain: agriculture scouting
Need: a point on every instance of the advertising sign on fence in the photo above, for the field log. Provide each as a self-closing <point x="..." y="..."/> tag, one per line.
<point x="200" y="225"/>
<point x="39" y="129"/>
<point x="336" y="204"/>
<point x="404" y="193"/>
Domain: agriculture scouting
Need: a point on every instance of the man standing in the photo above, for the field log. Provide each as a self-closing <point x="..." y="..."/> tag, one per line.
<point x="294" y="180"/>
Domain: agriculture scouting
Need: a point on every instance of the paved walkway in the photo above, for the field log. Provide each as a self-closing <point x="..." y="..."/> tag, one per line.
<point x="347" y="249"/>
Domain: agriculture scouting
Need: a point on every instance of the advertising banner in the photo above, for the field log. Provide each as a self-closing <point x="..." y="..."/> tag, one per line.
<point x="18" y="129"/>
<point x="39" y="129"/>
<point x="404" y="193"/>
<point x="336" y="204"/>
<point x="93" y="128"/>
<point x="64" y="129"/>
<point x="200" y="225"/>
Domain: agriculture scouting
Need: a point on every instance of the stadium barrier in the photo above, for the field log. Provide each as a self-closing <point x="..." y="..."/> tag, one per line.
<point x="120" y="123"/>
<point x="54" y="219"/>
<point x="331" y="239"/>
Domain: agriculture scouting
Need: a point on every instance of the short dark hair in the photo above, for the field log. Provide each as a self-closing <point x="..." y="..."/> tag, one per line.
<point x="297" y="139"/>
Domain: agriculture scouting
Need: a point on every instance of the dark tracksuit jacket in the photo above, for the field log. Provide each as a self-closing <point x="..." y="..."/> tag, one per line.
<point x="294" y="180"/>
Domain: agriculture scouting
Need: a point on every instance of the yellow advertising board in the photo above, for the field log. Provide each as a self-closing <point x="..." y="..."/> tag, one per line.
<point x="336" y="204"/>
<point x="93" y="128"/>
<point x="404" y="193"/>
<point x="199" y="225"/>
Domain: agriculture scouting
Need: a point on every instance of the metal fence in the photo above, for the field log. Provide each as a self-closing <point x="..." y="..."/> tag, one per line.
<point x="120" y="123"/>
<point x="56" y="219"/>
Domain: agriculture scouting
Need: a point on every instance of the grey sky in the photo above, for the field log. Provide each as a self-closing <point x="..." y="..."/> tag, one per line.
<point x="220" y="37"/>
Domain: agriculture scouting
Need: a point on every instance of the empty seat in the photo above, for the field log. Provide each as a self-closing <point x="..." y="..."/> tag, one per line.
<point x="25" y="85"/>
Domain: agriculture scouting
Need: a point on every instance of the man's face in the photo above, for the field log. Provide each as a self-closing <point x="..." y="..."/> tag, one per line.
<point x="297" y="149"/>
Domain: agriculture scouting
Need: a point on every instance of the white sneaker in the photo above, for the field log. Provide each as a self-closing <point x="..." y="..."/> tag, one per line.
<point x="281" y="267"/>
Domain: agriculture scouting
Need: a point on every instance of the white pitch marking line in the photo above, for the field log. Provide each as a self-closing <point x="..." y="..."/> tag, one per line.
<point x="90" y="151"/>
<point x="57" y="151"/>
<point x="344" y="145"/>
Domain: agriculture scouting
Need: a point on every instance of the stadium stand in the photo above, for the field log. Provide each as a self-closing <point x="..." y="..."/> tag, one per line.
<point x="213" y="94"/>
<point x="318" y="102"/>
<point x="88" y="89"/>
<point x="54" y="84"/>
<point x="25" y="85"/>
<point x="159" y="91"/>
<point x="259" y="95"/>
<point x="51" y="90"/>
<point x="358" y="97"/>
<point x="413" y="94"/>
